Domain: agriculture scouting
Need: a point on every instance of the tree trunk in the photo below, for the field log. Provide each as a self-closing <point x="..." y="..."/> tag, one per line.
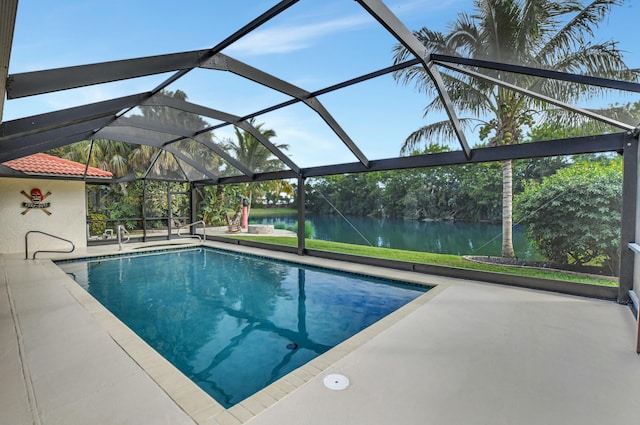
<point x="507" y="210"/>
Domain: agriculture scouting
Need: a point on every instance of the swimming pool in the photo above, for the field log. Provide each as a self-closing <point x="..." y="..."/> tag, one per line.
<point x="235" y="323"/>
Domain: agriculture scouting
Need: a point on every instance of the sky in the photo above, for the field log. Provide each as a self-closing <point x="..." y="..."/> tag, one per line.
<point x="314" y="44"/>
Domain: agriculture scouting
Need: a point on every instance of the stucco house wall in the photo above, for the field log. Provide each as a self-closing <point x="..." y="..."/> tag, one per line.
<point x="67" y="219"/>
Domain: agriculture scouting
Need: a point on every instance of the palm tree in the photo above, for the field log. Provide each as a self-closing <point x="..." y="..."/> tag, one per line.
<point x="253" y="154"/>
<point x="167" y="164"/>
<point x="105" y="154"/>
<point x="539" y="33"/>
<point x="250" y="152"/>
<point x="276" y="188"/>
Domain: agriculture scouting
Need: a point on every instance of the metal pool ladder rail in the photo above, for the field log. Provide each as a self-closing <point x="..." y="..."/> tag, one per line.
<point x="26" y="244"/>
<point x="121" y="231"/>
<point x="186" y="226"/>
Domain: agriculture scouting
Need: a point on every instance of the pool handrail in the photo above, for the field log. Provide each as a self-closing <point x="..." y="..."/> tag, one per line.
<point x="122" y="230"/>
<point x="186" y="226"/>
<point x="26" y="244"/>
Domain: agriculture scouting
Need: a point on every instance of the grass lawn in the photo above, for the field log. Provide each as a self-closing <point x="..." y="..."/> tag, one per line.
<point x="271" y="212"/>
<point x="425" y="258"/>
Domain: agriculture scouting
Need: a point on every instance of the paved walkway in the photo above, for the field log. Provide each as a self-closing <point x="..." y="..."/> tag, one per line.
<point x="466" y="353"/>
<point x="224" y="231"/>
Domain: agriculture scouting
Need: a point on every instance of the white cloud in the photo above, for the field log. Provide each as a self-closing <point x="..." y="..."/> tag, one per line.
<point x="287" y="38"/>
<point x="290" y="37"/>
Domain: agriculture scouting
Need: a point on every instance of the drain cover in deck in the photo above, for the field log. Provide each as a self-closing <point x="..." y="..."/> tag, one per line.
<point x="336" y="382"/>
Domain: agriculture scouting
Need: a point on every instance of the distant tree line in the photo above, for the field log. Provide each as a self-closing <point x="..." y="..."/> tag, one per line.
<point x="571" y="206"/>
<point x="470" y="192"/>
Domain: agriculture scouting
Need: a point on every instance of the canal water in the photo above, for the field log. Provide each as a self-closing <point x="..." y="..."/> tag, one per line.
<point x="442" y="237"/>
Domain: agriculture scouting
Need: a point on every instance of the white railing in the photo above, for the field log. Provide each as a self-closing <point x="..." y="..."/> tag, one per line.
<point x="26" y="244"/>
<point x="121" y="232"/>
<point x="187" y="226"/>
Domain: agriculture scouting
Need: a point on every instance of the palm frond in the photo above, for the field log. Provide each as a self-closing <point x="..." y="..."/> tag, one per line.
<point x="576" y="125"/>
<point x="499" y="21"/>
<point x="577" y="31"/>
<point x="251" y="152"/>
<point x="438" y="132"/>
<point x="552" y="34"/>
<point x="536" y="21"/>
<point x="628" y="113"/>
<point x="434" y="42"/>
<point x="469" y="95"/>
<point x="602" y="60"/>
<point x="463" y="37"/>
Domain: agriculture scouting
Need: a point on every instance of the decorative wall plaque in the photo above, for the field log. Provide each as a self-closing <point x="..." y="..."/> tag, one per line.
<point x="36" y="200"/>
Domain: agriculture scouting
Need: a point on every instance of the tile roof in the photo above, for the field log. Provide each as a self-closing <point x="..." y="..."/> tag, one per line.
<point x="43" y="164"/>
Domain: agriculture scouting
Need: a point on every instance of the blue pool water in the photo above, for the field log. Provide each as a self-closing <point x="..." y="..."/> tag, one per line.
<point x="235" y="323"/>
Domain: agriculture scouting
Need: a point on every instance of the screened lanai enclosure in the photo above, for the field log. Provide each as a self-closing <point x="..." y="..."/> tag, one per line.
<point x="291" y="91"/>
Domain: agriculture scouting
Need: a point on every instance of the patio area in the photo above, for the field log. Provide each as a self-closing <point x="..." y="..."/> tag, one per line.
<point x="465" y="352"/>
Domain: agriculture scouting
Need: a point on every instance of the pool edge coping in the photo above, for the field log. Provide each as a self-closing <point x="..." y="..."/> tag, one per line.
<point x="193" y="400"/>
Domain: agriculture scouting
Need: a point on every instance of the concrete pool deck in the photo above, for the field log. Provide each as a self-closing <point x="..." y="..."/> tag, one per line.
<point x="465" y="352"/>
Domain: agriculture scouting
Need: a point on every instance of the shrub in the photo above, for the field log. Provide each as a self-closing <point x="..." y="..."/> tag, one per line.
<point x="574" y="215"/>
<point x="98" y="224"/>
<point x="309" y="229"/>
